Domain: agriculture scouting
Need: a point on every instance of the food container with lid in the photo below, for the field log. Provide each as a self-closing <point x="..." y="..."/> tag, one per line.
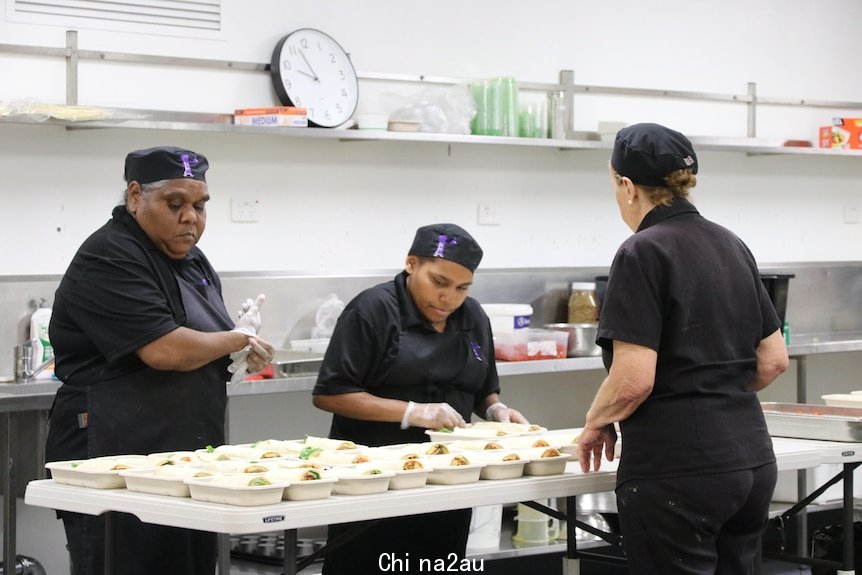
<point x="547" y="344"/>
<point x="583" y="303"/>
<point x="510" y="324"/>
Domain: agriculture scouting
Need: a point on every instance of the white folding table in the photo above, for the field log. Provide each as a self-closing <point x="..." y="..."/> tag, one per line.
<point x="291" y="515"/>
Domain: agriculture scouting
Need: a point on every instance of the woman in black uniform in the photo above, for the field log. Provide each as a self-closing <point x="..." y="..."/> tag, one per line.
<point x="689" y="336"/>
<point x="408" y="355"/>
<point x="141" y="340"/>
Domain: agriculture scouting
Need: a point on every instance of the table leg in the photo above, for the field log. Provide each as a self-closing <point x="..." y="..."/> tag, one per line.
<point x="110" y="522"/>
<point x="223" y="543"/>
<point x="802" y="516"/>
<point x="7" y="485"/>
<point x="290" y="554"/>
<point x="571" y="563"/>
<point x="847" y="555"/>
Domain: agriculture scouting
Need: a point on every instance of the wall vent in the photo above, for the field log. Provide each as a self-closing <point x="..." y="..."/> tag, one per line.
<point x="192" y="18"/>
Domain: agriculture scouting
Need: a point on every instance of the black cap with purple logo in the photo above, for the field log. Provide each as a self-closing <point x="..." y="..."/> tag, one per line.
<point x="647" y="153"/>
<point x="449" y="242"/>
<point x="165" y="163"/>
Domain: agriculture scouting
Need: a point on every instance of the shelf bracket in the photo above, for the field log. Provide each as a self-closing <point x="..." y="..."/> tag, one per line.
<point x="71" y="67"/>
<point x="752" y="109"/>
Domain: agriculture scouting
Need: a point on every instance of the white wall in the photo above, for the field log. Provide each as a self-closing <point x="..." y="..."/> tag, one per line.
<point x="334" y="206"/>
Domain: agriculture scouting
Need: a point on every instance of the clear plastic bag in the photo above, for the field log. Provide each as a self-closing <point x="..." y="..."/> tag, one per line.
<point x="439" y="110"/>
<point x="327" y="316"/>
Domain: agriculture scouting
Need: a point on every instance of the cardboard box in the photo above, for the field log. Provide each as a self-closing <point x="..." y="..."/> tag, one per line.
<point x="277" y="116"/>
<point x="844" y="133"/>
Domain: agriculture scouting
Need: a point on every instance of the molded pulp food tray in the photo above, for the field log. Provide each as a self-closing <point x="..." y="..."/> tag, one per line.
<point x="806" y="421"/>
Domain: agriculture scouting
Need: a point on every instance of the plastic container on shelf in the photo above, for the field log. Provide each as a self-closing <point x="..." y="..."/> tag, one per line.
<point x="583" y="303"/>
<point x="510" y="324"/>
<point x="547" y="344"/>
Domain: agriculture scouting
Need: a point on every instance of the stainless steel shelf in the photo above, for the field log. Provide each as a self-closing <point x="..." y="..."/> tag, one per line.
<point x="222" y="123"/>
<point x="809" y="344"/>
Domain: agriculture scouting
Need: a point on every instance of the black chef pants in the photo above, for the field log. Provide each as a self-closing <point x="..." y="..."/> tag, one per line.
<point x="413" y="544"/>
<point x="139" y="548"/>
<point x="701" y="524"/>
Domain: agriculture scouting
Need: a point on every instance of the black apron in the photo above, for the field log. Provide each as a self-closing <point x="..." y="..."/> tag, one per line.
<point x="442" y="372"/>
<point x="147" y="412"/>
<point x="422" y="373"/>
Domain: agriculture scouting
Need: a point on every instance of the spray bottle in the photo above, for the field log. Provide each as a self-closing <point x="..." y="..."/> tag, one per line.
<point x="42" y="350"/>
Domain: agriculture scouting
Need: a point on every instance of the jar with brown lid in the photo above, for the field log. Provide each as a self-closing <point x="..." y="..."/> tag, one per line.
<point x="583" y="304"/>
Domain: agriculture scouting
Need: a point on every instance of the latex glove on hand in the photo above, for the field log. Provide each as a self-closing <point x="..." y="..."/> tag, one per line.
<point x="431" y="416"/>
<point x="502" y="413"/>
<point x="260" y="354"/>
<point x="239" y="364"/>
<point x="251" y="359"/>
<point x="249" y="316"/>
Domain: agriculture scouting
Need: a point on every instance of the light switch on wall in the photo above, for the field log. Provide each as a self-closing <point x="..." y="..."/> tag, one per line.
<point x="488" y="215"/>
<point x="244" y="209"/>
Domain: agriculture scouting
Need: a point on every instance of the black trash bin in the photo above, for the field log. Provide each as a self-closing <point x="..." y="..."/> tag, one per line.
<point x="777" y="286"/>
<point x="828" y="543"/>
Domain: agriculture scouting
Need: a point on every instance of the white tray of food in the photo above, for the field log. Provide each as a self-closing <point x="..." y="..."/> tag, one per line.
<point x="476" y="445"/>
<point x="174" y="457"/>
<point x="363" y="479"/>
<point x="98" y="472"/>
<point x="304" y="483"/>
<point x="409" y="473"/>
<point x="238" y="466"/>
<point x="545" y="461"/>
<point x="246" y="452"/>
<point x="164" y="480"/>
<point x="242" y="490"/>
<point x="452" y="469"/>
<point x="500" y="464"/>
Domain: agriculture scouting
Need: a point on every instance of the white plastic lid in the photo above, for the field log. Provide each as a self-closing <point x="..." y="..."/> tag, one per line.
<point x="583" y="285"/>
<point x="514" y="309"/>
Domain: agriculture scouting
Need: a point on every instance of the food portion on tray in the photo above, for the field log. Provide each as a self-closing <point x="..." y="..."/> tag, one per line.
<point x="272" y="470"/>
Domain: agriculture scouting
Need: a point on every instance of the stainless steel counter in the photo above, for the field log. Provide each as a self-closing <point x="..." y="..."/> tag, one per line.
<point x="39" y="395"/>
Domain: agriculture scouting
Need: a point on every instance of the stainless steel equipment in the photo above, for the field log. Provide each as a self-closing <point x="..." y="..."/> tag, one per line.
<point x="805" y="421"/>
<point x="582" y="338"/>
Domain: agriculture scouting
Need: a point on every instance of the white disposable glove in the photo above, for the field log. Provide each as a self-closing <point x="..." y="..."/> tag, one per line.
<point x="249" y="316"/>
<point x="431" y="416"/>
<point x="500" y="412"/>
<point x="239" y="364"/>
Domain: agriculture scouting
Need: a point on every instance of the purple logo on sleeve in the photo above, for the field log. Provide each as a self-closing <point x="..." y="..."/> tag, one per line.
<point x="476" y="349"/>
<point x="442" y="242"/>
<point x="188" y="161"/>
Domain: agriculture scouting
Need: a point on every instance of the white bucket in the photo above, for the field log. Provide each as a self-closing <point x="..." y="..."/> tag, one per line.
<point x="510" y="324"/>
<point x="485" y="527"/>
<point x="534" y="527"/>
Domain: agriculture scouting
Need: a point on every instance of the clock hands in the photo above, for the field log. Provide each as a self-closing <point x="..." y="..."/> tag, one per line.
<point x="304" y="73"/>
<point x="313" y="75"/>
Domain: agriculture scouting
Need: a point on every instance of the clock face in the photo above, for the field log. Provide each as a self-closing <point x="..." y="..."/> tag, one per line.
<point x="311" y="70"/>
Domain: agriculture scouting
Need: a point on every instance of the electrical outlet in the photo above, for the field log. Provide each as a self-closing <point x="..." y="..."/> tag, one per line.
<point x="244" y="209"/>
<point x="851" y="214"/>
<point x="488" y="215"/>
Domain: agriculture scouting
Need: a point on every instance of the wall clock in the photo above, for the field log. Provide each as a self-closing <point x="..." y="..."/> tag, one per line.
<point x="311" y="70"/>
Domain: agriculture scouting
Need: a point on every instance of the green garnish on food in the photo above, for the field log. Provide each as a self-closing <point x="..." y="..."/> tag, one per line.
<point x="444" y="430"/>
<point x="210" y="448"/>
<point x="258" y="481"/>
<point x="308" y="452"/>
<point x="74" y="465"/>
<point x="312" y="473"/>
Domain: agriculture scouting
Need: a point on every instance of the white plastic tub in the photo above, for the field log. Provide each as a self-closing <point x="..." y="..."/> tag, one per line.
<point x="510" y="324"/>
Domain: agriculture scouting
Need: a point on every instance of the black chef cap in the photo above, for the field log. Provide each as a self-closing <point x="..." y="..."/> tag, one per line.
<point x="646" y="153"/>
<point x="165" y="163"/>
<point x="449" y="242"/>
